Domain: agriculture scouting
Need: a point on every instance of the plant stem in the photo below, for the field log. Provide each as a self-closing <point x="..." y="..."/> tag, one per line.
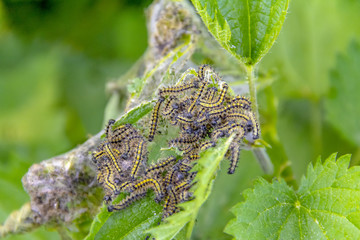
<point x="264" y="160"/>
<point x="252" y="89"/>
<point x="260" y="153"/>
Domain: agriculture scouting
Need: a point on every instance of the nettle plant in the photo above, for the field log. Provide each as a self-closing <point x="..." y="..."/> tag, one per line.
<point x="325" y="205"/>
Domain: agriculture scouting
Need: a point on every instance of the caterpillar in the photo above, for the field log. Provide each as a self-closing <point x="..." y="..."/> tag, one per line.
<point x="183" y="140"/>
<point x="234" y="158"/>
<point x="183" y="120"/>
<point x="155" y="118"/>
<point x="218" y="101"/>
<point x="202" y="70"/>
<point x="243" y="101"/>
<point x="170" y="106"/>
<point x="134" y="196"/>
<point x="197" y="97"/>
<point x="108" y="127"/>
<point x="138" y="159"/>
<point x="162" y="165"/>
<point x="170" y="203"/>
<point x="184" y="185"/>
<point x="122" y="133"/>
<point x="111" y="154"/>
<point x="255" y="126"/>
<point x="106" y="174"/>
<point x="177" y="89"/>
<point x="238" y="116"/>
<point x="126" y="186"/>
<point x="206" y="145"/>
<point x="152" y="183"/>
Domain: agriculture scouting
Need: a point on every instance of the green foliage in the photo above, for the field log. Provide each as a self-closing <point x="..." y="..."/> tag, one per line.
<point x="326" y="206"/>
<point x="135" y="114"/>
<point x="53" y="95"/>
<point x="137" y="217"/>
<point x="299" y="70"/>
<point x="341" y="108"/>
<point x="146" y="213"/>
<point x="207" y="167"/>
<point x="134" y="221"/>
<point x="245" y="28"/>
<point x="214" y="214"/>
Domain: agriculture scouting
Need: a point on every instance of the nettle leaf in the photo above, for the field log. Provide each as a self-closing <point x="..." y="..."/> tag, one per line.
<point x="341" y="105"/>
<point x="245" y="28"/>
<point x="326" y="206"/>
<point x="135" y="114"/>
<point x="183" y="222"/>
<point x="129" y="223"/>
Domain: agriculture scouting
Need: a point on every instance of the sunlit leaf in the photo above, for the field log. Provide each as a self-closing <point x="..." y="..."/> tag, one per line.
<point x="129" y="223"/>
<point x="326" y="206"/>
<point x="245" y="28"/>
<point x="135" y="114"/>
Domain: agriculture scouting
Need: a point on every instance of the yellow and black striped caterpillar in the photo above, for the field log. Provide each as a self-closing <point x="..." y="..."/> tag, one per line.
<point x="203" y="111"/>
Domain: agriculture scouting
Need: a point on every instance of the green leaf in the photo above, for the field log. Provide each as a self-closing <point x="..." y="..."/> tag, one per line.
<point x="214" y="213"/>
<point x="245" y="28"/>
<point x="341" y="106"/>
<point x="129" y="223"/>
<point x="135" y="114"/>
<point x="207" y="167"/>
<point x="326" y="206"/>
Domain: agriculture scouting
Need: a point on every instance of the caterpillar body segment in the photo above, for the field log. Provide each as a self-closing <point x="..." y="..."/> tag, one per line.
<point x="206" y="145"/>
<point x="219" y="100"/>
<point x="209" y="97"/>
<point x="170" y="203"/>
<point x="138" y="158"/>
<point x="244" y="102"/>
<point x="255" y="126"/>
<point x="121" y="136"/>
<point x="184" y="185"/>
<point x="113" y="158"/>
<point x="197" y="97"/>
<point x="161" y="166"/>
<point x="184" y="140"/>
<point x="184" y="166"/>
<point x="177" y="89"/>
<point x="106" y="180"/>
<point x="134" y="196"/>
<point x="170" y="106"/>
<point x="193" y="157"/>
<point x="185" y="196"/>
<point x="221" y="131"/>
<point x="188" y="150"/>
<point x="238" y="116"/>
<point x="234" y="158"/>
<point x="148" y="183"/>
<point x="170" y="177"/>
<point x="184" y="120"/>
<point x="155" y="118"/>
<point x="126" y="186"/>
<point x="108" y="127"/>
<point x="238" y="127"/>
<point x="202" y="72"/>
<point x="96" y="156"/>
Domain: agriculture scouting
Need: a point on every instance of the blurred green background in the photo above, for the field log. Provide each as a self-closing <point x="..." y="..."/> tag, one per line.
<point x="56" y="57"/>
